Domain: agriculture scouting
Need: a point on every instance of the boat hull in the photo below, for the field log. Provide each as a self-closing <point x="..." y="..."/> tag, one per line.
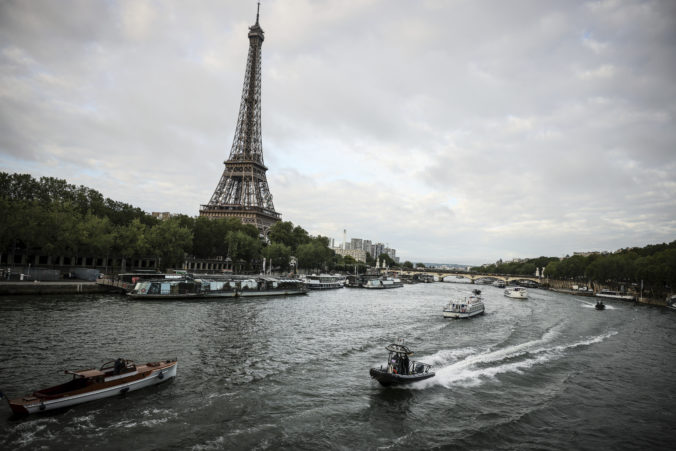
<point x="35" y="405"/>
<point x="461" y="315"/>
<point x="215" y="295"/>
<point x="245" y="294"/>
<point x="623" y="297"/>
<point x="384" y="287"/>
<point x="166" y="296"/>
<point x="388" y="379"/>
<point x="325" y="286"/>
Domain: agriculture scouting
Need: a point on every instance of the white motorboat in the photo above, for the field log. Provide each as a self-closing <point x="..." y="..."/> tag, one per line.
<point x="671" y="301"/>
<point x="499" y="284"/>
<point x="470" y="306"/>
<point x="516" y="293"/>
<point x="614" y="295"/>
<point x="113" y="378"/>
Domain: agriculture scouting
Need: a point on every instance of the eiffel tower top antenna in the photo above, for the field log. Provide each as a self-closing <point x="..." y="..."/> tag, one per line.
<point x="258" y="11"/>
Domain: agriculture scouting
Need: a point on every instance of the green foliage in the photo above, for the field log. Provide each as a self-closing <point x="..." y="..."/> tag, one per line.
<point x="285" y="233"/>
<point x="50" y="216"/>
<point x="389" y="261"/>
<point x="278" y="255"/>
<point x="244" y="249"/>
<point x="170" y="242"/>
<point x="348" y="260"/>
<point x="407" y="264"/>
<point x="654" y="264"/>
<point x="419" y="265"/>
<point x="315" y="255"/>
<point x="525" y="268"/>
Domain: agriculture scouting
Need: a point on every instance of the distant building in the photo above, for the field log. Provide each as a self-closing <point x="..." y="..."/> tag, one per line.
<point x="357" y="254"/>
<point x="161" y="215"/>
<point x="357" y="248"/>
<point x="586" y="254"/>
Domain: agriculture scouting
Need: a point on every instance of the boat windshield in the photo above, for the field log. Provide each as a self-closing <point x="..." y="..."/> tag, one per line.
<point x="398" y="349"/>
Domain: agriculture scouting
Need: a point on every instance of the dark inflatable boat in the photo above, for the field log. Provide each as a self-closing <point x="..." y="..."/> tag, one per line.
<point x="400" y="369"/>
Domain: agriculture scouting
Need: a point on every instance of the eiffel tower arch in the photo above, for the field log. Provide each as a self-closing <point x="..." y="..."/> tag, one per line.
<point x="243" y="191"/>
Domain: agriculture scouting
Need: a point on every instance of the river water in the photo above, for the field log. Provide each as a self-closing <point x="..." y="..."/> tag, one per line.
<point x="549" y="372"/>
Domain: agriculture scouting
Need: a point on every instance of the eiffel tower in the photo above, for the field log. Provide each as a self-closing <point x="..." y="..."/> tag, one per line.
<point x="243" y="189"/>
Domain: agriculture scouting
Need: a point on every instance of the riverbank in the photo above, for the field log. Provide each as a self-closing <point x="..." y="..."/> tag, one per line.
<point x="647" y="301"/>
<point x="61" y="287"/>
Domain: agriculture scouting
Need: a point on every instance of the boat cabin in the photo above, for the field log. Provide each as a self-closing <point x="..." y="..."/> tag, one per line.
<point x="398" y="361"/>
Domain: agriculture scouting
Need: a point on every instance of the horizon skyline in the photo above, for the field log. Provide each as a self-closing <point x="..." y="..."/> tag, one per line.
<point x="464" y="131"/>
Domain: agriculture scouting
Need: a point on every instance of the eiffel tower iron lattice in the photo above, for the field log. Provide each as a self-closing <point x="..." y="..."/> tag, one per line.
<point x="242" y="191"/>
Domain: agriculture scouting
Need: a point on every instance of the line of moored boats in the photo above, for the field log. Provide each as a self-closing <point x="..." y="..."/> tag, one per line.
<point x="187" y="286"/>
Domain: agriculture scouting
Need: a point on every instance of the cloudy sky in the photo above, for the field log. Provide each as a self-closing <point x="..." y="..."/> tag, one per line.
<point x="453" y="131"/>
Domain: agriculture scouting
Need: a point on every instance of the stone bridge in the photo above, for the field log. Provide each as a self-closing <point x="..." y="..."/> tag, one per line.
<point x="472" y="276"/>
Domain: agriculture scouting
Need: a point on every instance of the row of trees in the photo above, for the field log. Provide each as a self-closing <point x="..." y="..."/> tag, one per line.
<point x="523" y="268"/>
<point x="655" y="265"/>
<point x="51" y="217"/>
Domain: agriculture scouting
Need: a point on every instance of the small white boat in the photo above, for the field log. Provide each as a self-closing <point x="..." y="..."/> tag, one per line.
<point x="471" y="306"/>
<point x="671" y="301"/>
<point x="614" y="295"/>
<point x="499" y="284"/>
<point x="516" y="293"/>
<point x="116" y="377"/>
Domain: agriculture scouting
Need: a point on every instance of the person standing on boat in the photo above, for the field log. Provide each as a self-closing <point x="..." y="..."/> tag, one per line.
<point x="405" y="363"/>
<point x="118" y="365"/>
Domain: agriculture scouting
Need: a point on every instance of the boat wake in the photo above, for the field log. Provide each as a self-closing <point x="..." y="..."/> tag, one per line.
<point x="593" y="306"/>
<point x="475" y="368"/>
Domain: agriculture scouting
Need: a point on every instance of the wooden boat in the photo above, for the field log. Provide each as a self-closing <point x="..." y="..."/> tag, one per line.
<point x="399" y="369"/>
<point x="116" y="377"/>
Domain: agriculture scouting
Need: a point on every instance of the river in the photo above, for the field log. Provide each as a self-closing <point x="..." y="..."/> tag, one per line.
<point x="549" y="372"/>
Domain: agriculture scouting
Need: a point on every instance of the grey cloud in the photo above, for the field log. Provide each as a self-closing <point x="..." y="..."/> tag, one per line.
<point x="466" y="130"/>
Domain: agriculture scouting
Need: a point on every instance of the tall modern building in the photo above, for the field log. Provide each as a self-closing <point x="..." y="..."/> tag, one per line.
<point x="242" y="191"/>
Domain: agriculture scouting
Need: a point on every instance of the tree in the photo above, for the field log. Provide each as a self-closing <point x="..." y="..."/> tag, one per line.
<point x="282" y="232"/>
<point x="387" y="260"/>
<point x="243" y="247"/>
<point x="170" y="242"/>
<point x="315" y="255"/>
<point x="278" y="255"/>
<point x="129" y="241"/>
